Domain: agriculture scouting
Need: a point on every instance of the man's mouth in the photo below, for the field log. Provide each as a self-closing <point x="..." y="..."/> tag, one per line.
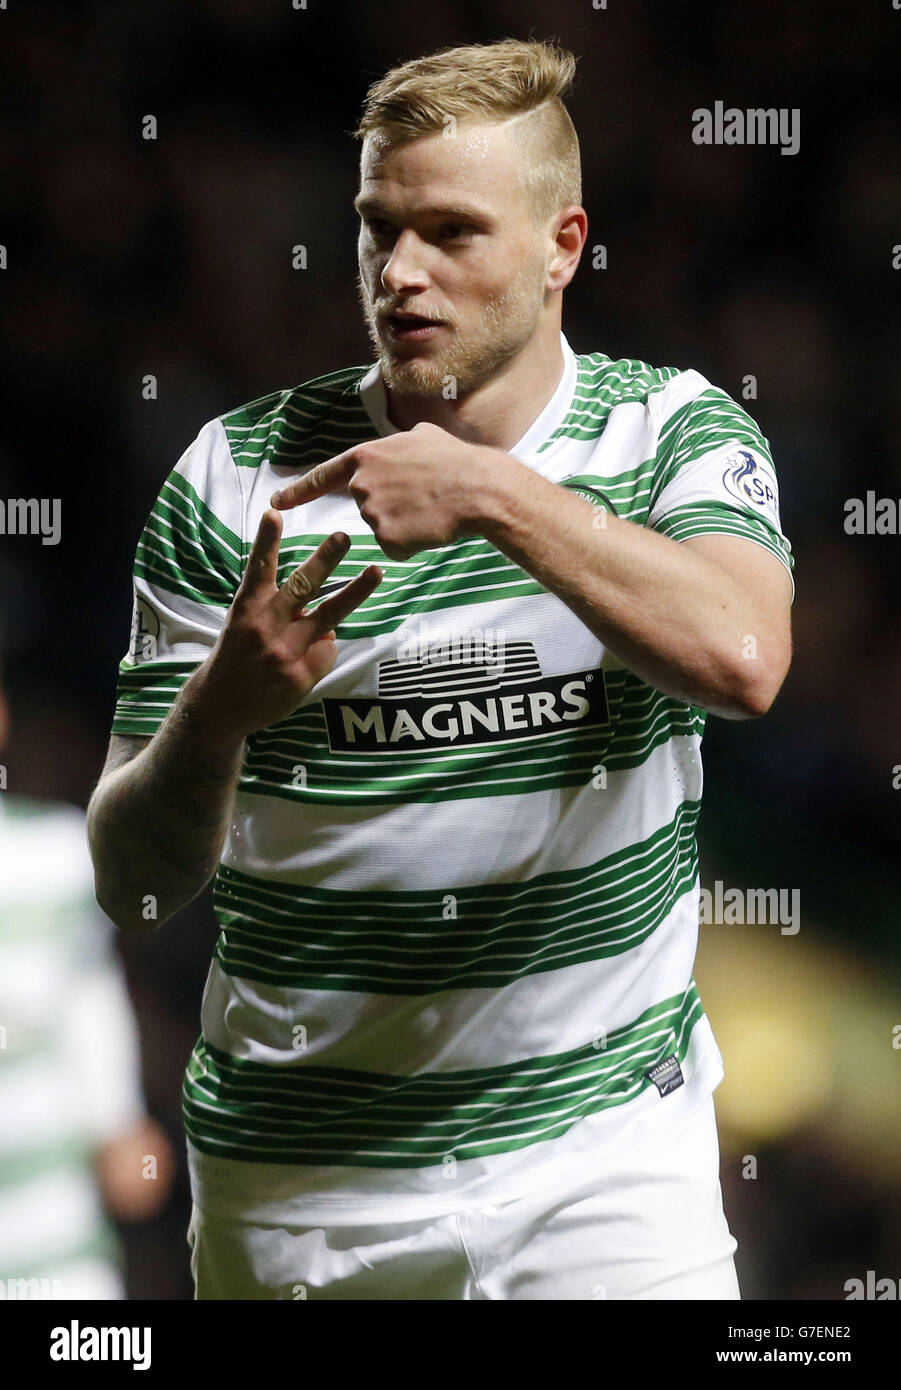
<point x="412" y="328"/>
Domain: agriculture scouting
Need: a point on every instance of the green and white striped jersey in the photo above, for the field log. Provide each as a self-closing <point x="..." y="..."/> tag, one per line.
<point x="69" y="1059"/>
<point x="459" y="896"/>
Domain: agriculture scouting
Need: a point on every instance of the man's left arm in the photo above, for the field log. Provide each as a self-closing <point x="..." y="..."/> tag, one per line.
<point x="706" y="619"/>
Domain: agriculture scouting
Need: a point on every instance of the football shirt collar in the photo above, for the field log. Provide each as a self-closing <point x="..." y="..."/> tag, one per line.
<point x="372" y="394"/>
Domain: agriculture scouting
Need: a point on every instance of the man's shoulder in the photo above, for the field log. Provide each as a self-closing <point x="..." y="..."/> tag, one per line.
<point x="625" y="378"/>
<point x="295" y="419"/>
<point x="319" y="391"/>
<point x="665" y="391"/>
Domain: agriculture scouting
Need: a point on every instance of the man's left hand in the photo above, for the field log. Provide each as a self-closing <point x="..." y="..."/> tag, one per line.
<point x="417" y="490"/>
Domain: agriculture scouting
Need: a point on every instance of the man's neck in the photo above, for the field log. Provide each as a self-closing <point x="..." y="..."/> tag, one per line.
<point x="499" y="412"/>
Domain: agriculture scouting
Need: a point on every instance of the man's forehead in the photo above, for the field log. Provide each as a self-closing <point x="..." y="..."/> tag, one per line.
<point x="466" y="158"/>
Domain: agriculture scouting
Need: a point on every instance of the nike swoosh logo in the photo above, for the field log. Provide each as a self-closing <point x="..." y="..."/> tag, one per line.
<point x="330" y="586"/>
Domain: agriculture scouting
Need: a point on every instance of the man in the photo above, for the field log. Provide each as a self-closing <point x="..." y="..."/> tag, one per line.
<point x="451" y="1044"/>
<point x="75" y="1138"/>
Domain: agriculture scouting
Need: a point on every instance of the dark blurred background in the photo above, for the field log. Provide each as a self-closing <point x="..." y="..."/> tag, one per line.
<point x="172" y="257"/>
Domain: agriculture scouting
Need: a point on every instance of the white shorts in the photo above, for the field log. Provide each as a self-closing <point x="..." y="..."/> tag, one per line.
<point x="649" y="1224"/>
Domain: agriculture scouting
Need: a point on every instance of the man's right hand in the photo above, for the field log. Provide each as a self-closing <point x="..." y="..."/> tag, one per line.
<point x="270" y="652"/>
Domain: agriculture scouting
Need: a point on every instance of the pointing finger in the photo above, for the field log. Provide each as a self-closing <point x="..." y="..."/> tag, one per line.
<point x="325" y="477"/>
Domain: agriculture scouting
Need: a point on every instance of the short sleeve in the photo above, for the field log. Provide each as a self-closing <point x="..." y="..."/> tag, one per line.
<point x="187" y="569"/>
<point x="715" y="472"/>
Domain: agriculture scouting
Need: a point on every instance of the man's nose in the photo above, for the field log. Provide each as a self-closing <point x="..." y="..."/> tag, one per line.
<point x="405" y="270"/>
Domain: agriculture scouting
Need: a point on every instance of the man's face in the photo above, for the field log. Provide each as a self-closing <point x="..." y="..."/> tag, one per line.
<point x="446" y="234"/>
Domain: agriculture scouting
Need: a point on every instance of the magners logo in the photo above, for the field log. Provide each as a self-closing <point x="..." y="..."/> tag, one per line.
<point x="481" y="693"/>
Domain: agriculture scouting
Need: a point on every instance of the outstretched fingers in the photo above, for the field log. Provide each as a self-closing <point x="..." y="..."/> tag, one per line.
<point x="333" y="610"/>
<point x="304" y="583"/>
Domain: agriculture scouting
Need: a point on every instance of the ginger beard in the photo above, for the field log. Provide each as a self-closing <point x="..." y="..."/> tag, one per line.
<point x="503" y="325"/>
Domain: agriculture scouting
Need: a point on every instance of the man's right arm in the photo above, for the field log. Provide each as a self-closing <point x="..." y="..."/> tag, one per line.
<point x="158" y="818"/>
<point x="160" y="813"/>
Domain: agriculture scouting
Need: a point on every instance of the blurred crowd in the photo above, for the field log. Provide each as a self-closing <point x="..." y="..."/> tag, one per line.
<point x="170" y="258"/>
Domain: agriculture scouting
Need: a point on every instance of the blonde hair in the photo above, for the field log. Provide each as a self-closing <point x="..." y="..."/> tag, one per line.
<point x="489" y="82"/>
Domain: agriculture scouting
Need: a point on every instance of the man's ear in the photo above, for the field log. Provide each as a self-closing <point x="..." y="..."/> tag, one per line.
<point x="570" y="237"/>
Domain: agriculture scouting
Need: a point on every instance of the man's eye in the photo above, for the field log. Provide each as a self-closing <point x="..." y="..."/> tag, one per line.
<point x="453" y="231"/>
<point x="378" y="226"/>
